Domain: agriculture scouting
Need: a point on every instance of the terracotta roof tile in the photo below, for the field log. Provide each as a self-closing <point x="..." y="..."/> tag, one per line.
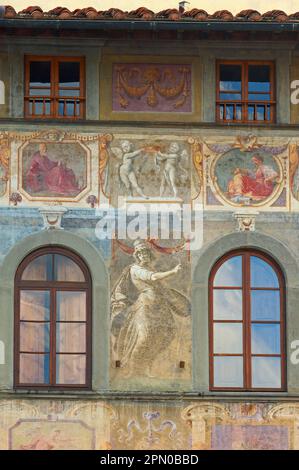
<point x="143" y="13"/>
<point x="249" y="15"/>
<point x="275" y="15"/>
<point x="200" y="15"/>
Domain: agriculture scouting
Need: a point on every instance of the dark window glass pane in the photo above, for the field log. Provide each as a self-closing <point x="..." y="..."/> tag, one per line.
<point x="71" y="306"/>
<point x="69" y="92"/>
<point x="230" y="77"/>
<point x="230" y="273"/>
<point x="265" y="339"/>
<point x="261" y="113"/>
<point x="39" y="92"/>
<point x="262" y="273"/>
<point x="228" y="372"/>
<point x="67" y="270"/>
<point x="250" y="113"/>
<point x="67" y="108"/>
<point x="259" y="97"/>
<point x="70" y="368"/>
<point x="238" y="115"/>
<point x="40" y="269"/>
<point x="259" y="78"/>
<point x="34" y="337"/>
<point x="71" y="337"/>
<point x="230" y="96"/>
<point x="265" y="305"/>
<point x="40" y="108"/>
<point x="34" y="368"/>
<point x="221" y="112"/>
<point x="266" y="372"/>
<point x="229" y="115"/>
<point x="35" y="305"/>
<point x="69" y="74"/>
<point x="40" y="73"/>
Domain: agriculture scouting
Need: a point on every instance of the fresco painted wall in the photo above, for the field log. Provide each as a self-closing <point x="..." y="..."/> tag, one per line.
<point x="229" y="171"/>
<point x="80" y="171"/>
<point x="64" y="424"/>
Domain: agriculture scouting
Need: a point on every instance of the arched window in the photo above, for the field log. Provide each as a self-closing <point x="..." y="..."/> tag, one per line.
<point x="52" y="321"/>
<point x="247" y="323"/>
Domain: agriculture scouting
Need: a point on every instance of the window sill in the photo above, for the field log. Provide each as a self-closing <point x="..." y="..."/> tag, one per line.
<point x="138" y="395"/>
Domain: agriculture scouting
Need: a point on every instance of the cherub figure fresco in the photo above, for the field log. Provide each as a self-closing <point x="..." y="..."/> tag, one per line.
<point x="127" y="175"/>
<point x="143" y="309"/>
<point x="172" y="163"/>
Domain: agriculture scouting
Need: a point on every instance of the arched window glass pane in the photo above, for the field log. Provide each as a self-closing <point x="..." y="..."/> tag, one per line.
<point x="40" y="269"/>
<point x="228" y="338"/>
<point x="247" y="323"/>
<point x="71" y="306"/>
<point x="71" y="337"/>
<point x="230" y="273"/>
<point x="53" y="292"/>
<point x="262" y="274"/>
<point x="265" y="338"/>
<point x="265" y="305"/>
<point x="35" y="305"/>
<point x="67" y="270"/>
<point x="227" y="304"/>
<point x="34" y="337"/>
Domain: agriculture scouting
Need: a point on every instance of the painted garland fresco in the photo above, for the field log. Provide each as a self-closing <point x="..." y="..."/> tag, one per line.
<point x="152" y="87"/>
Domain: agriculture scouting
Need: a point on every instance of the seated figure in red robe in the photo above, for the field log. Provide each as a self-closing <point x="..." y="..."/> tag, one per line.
<point x="255" y="184"/>
<point x="45" y="174"/>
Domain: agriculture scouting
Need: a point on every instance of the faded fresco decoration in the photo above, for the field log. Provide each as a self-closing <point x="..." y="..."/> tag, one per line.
<point x="150" y="312"/>
<point x="4" y="163"/>
<point x="53" y="169"/>
<point x="38" y="434"/>
<point x="34" y="424"/>
<point x="148" y="169"/>
<point x="246" y="172"/>
<point x="152" y="87"/>
<point x="294" y="170"/>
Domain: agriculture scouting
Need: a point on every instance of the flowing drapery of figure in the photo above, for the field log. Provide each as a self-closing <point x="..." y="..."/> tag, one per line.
<point x="45" y="174"/>
<point x="143" y="317"/>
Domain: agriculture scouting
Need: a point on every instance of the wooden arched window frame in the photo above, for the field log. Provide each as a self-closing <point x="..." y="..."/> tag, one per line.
<point x="247" y="323"/>
<point x="53" y="321"/>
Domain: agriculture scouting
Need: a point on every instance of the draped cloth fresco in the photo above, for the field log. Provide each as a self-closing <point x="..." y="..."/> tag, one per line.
<point x="152" y="87"/>
<point x="50" y="176"/>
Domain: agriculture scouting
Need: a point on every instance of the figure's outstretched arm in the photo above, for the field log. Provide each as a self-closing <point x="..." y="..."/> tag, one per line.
<point x="163" y="275"/>
<point x="134" y="154"/>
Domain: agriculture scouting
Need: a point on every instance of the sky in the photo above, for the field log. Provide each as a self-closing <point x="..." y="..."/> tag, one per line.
<point x="289" y="6"/>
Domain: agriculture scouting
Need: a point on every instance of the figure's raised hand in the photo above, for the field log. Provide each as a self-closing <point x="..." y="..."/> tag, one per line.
<point x="177" y="268"/>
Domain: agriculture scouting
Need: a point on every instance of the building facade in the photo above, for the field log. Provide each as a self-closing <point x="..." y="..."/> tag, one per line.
<point x="118" y="330"/>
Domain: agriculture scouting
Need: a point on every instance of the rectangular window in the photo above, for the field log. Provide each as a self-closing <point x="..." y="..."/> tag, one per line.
<point x="245" y="92"/>
<point x="55" y="87"/>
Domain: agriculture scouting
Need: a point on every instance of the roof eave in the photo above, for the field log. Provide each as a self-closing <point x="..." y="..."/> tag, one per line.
<point x="147" y="25"/>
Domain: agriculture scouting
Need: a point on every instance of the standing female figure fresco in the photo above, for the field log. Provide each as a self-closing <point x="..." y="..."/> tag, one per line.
<point x="143" y="312"/>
